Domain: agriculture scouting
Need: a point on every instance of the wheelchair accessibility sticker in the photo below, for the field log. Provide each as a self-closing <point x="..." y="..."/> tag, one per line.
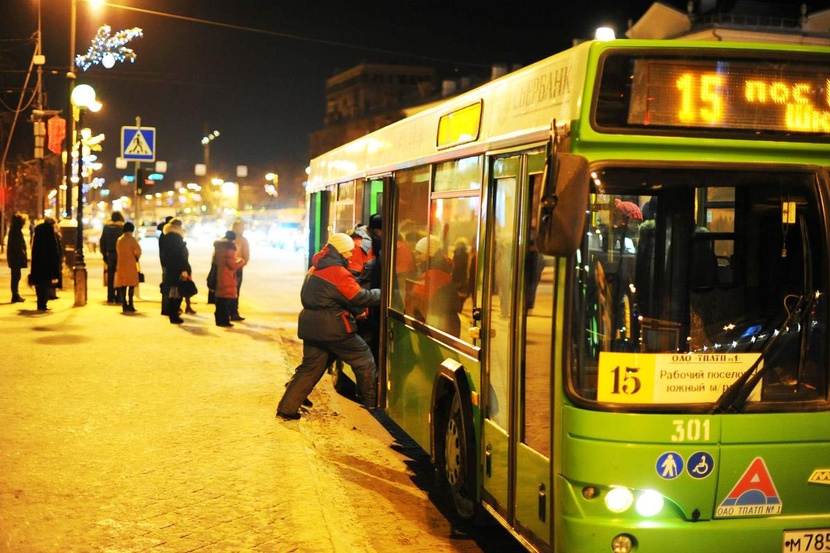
<point x="700" y="465"/>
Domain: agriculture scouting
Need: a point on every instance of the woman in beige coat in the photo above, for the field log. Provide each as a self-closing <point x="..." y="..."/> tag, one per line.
<point x="126" y="270"/>
<point x="243" y="252"/>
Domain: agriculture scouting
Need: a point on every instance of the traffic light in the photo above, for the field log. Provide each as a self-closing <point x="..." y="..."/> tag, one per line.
<point x="139" y="180"/>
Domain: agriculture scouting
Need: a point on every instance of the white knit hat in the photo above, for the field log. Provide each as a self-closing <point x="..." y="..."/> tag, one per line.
<point x="428" y="245"/>
<point x="341" y="242"/>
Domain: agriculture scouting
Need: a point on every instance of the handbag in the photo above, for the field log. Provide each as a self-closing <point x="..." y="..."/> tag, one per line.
<point x="211" y="277"/>
<point x="187" y="288"/>
<point x="140" y="277"/>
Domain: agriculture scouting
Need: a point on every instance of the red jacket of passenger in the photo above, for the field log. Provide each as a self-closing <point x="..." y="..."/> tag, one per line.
<point x="331" y="299"/>
<point x="227" y="263"/>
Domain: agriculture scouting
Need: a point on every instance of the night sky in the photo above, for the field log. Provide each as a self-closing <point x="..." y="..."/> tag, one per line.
<point x="264" y="91"/>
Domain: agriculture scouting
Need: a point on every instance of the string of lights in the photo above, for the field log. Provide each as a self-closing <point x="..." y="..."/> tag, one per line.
<point x="108" y="48"/>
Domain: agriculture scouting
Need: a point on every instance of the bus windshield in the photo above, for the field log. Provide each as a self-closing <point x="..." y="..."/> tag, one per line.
<point x="689" y="278"/>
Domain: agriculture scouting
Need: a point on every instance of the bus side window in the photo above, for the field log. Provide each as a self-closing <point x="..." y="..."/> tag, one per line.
<point x="445" y="261"/>
<point x="411" y="225"/>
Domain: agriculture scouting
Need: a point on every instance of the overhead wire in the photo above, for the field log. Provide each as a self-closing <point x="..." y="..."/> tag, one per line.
<point x="290" y="36"/>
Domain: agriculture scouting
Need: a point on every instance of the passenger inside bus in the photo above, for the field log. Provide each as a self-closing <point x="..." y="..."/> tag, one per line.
<point x="433" y="297"/>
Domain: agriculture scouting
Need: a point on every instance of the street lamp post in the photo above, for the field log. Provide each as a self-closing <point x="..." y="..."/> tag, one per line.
<point x="70" y="126"/>
<point x="82" y="98"/>
<point x="206" y="140"/>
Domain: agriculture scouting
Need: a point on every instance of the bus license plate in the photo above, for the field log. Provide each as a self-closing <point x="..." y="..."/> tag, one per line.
<point x="806" y="541"/>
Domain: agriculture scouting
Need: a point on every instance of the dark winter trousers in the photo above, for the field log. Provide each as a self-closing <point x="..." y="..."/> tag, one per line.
<point x="224" y="307"/>
<point x="43" y="292"/>
<point x="112" y="291"/>
<point x="127" y="294"/>
<point x="15" y="282"/>
<point x="164" y="294"/>
<point x="173" y="306"/>
<point x="317" y="356"/>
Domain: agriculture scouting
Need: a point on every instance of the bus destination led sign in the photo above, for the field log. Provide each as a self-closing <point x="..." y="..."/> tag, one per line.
<point x="785" y="98"/>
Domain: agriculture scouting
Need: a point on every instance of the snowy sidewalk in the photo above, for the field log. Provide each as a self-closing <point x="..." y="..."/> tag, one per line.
<point x="122" y="432"/>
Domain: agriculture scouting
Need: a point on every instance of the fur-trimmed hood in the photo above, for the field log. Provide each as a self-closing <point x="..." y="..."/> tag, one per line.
<point x="169" y="228"/>
<point x="223" y="244"/>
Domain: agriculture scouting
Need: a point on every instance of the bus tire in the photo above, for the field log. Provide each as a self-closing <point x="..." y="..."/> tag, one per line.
<point x="455" y="464"/>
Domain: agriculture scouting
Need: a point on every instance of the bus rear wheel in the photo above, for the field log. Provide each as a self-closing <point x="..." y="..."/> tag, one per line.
<point x="455" y="464"/>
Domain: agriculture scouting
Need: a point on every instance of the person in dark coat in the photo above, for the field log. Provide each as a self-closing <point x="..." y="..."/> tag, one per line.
<point x="177" y="267"/>
<point x="332" y="299"/>
<point x="228" y="265"/>
<point x="110" y="234"/>
<point x="16" y="253"/>
<point x="163" y="261"/>
<point x="46" y="261"/>
<point x="370" y="329"/>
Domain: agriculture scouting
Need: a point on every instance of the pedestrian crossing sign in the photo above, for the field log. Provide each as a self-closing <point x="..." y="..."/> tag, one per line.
<point x="138" y="143"/>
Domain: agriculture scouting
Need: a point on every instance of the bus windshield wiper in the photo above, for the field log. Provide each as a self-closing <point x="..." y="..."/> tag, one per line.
<point x="734" y="398"/>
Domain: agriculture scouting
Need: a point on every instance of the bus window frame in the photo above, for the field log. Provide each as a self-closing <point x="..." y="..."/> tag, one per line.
<point x="570" y="354"/>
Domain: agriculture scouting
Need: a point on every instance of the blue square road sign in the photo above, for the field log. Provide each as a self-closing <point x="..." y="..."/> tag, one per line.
<point x="138" y="143"/>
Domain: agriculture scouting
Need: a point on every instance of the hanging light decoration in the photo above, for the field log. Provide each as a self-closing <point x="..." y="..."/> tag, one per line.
<point x="108" y="48"/>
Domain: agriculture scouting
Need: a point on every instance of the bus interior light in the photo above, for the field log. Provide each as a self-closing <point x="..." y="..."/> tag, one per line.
<point x="619" y="500"/>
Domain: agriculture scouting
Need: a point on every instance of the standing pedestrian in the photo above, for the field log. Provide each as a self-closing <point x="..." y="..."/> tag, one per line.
<point x="126" y="275"/>
<point x="332" y="299"/>
<point x="163" y="261"/>
<point x="46" y="262"/>
<point x="228" y="266"/>
<point x="177" y="267"/>
<point x="112" y="231"/>
<point x="16" y="253"/>
<point x="243" y="252"/>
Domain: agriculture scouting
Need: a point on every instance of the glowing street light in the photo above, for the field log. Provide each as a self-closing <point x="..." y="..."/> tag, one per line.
<point x="83" y="99"/>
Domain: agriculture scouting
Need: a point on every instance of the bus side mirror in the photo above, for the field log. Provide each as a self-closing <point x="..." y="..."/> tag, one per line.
<point x="562" y="204"/>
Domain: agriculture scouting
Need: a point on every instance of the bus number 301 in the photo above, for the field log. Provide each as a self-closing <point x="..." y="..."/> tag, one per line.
<point x="806" y="541"/>
<point x="692" y="430"/>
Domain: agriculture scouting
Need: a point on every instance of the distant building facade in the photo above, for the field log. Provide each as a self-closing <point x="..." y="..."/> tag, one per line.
<point x="367" y="97"/>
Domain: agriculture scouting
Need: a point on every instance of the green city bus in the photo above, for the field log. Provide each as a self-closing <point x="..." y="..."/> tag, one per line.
<point x="605" y="282"/>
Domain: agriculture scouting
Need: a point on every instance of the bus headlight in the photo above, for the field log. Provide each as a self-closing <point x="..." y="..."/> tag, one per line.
<point x="649" y="503"/>
<point x="618" y="500"/>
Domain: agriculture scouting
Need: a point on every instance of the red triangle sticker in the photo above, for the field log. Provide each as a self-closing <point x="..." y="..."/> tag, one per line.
<point x="754" y="493"/>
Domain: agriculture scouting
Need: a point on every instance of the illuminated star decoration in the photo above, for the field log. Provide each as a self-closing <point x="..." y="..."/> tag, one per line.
<point x="107" y="50"/>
